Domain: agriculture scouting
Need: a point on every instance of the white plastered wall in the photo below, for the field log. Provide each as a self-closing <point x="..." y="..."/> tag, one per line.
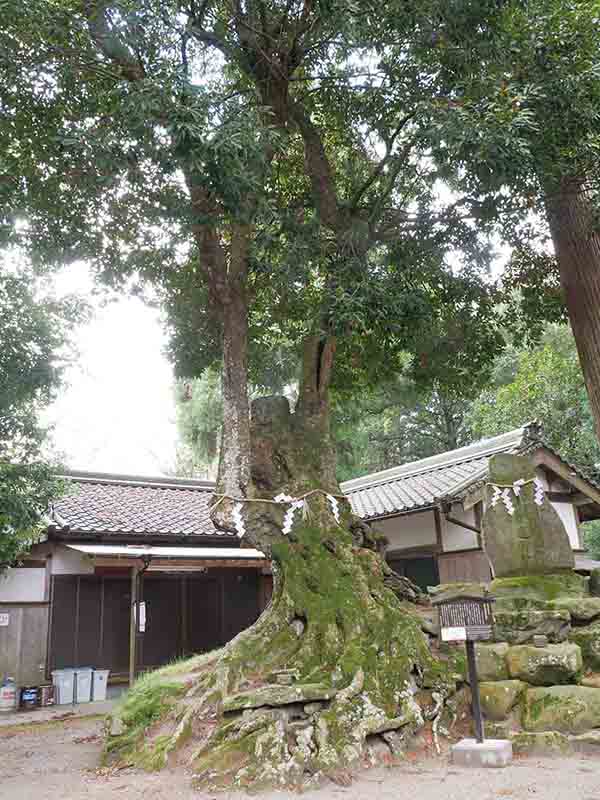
<point x="65" y="561"/>
<point x="455" y="537"/>
<point x="23" y="585"/>
<point x="408" y="531"/>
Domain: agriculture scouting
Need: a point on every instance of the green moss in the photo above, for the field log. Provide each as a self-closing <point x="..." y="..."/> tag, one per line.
<point x="148" y="700"/>
<point x="540" y="587"/>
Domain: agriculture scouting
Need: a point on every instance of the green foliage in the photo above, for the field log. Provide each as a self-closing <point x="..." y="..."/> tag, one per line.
<point x="103" y="149"/>
<point x="33" y="332"/>
<point x="199" y="417"/>
<point x="591" y="538"/>
<point x="395" y="424"/>
<point x="547" y="385"/>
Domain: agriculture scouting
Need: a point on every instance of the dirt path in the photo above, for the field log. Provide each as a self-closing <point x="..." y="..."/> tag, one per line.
<point x="60" y="762"/>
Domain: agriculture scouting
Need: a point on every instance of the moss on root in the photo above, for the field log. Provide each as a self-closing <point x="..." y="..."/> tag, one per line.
<point x="332" y="623"/>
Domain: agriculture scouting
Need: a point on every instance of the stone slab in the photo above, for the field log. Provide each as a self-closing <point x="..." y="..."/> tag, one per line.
<point x="523" y="533"/>
<point x="489" y="753"/>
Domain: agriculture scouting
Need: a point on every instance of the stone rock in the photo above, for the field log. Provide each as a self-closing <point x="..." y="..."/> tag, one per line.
<point x="545" y="666"/>
<point x="489" y="753"/>
<point x="498" y="730"/>
<point x="588" y="638"/>
<point x="595" y="582"/>
<point x="530" y="541"/>
<point x="581" y="609"/>
<point x="542" y="743"/>
<point x="498" y="698"/>
<point x="591" y="679"/>
<point x="567" y="709"/>
<point x="491" y="661"/>
<point x="275" y="695"/>
<point x="522" y="591"/>
<point x="583" y="740"/>
<point x="117" y="726"/>
<point x="520" y="626"/>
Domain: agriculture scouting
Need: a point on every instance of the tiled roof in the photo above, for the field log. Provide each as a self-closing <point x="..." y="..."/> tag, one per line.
<point x="122" y="504"/>
<point x="422" y="483"/>
<point x="175" y="507"/>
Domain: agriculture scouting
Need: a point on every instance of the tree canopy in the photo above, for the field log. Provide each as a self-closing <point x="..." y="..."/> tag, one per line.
<point x="33" y="332"/>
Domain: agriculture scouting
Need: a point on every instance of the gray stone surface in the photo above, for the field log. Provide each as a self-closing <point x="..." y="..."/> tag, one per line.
<point x="533" y="539"/>
<point x="541" y="743"/>
<point x="588" y="638"/>
<point x="489" y="753"/>
<point x="567" y="709"/>
<point x="491" y="661"/>
<point x="498" y="698"/>
<point x="595" y="582"/>
<point x="520" y="626"/>
<point x="545" y="666"/>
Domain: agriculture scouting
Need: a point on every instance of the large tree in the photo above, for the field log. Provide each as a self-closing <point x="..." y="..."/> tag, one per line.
<point x="517" y="127"/>
<point x="255" y="162"/>
<point x="33" y="331"/>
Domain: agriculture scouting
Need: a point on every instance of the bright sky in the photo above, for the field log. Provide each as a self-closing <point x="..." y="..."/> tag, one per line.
<point x="116" y="413"/>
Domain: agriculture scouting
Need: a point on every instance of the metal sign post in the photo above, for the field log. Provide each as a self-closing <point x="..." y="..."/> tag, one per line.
<point x="468" y="619"/>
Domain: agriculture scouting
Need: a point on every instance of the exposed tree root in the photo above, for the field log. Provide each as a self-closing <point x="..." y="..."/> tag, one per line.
<point x="335" y="665"/>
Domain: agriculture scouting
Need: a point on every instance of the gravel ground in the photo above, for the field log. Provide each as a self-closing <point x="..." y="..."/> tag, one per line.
<point x="60" y="762"/>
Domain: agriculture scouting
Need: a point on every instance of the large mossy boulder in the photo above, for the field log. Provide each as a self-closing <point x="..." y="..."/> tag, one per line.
<point x="541" y="744"/>
<point x="498" y="698"/>
<point x="491" y="661"/>
<point x="545" y="666"/>
<point x="543" y="588"/>
<point x="588" y="639"/>
<point x="523" y="533"/>
<point x="595" y="582"/>
<point x="566" y="709"/>
<point x="580" y="609"/>
<point x="520" y="626"/>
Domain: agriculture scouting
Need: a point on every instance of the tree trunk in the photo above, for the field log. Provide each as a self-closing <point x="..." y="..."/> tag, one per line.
<point x="577" y="243"/>
<point x="234" y="463"/>
<point x="357" y="662"/>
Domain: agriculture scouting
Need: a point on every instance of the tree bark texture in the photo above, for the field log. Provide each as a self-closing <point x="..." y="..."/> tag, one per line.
<point x="576" y="240"/>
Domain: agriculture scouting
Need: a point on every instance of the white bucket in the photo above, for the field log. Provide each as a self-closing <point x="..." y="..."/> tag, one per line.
<point x="100" y="684"/>
<point x="63" y="681"/>
<point x="83" y="684"/>
<point x="8" y="696"/>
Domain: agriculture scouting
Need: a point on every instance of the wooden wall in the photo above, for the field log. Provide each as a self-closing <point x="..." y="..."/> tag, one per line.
<point x="464" y="566"/>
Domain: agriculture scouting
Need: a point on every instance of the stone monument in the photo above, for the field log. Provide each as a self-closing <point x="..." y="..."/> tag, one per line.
<point x="522" y="533"/>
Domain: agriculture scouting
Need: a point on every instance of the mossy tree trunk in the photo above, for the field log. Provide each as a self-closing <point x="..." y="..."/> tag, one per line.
<point x="358" y="663"/>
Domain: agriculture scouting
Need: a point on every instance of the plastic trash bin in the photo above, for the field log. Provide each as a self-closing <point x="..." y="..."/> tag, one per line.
<point x="63" y="681"/>
<point x="100" y="684"/>
<point x="83" y="684"/>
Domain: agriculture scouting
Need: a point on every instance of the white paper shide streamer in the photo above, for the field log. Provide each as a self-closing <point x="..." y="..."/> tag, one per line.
<point x="504" y="494"/>
<point x="294" y="503"/>
<point x="335" y="507"/>
<point x="238" y="519"/>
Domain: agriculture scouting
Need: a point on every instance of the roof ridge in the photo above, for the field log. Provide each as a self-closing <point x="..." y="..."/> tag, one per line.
<point x="119" y="479"/>
<point x="460" y="455"/>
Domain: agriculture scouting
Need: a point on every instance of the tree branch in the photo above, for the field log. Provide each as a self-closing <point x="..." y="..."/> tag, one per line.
<point x="383" y="162"/>
<point x="318" y="168"/>
<point x="109" y="42"/>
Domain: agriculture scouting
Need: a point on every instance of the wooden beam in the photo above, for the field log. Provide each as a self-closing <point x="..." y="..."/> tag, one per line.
<point x="133" y="625"/>
<point x="437" y="516"/>
<point x="544" y="458"/>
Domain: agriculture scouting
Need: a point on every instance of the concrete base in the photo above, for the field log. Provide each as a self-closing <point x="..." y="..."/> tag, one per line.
<point x="489" y="753"/>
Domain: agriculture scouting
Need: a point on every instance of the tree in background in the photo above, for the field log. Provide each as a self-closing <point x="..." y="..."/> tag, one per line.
<point x="33" y="336"/>
<point x="199" y="418"/>
<point x="517" y="127"/>
<point x="395" y="424"/>
<point x="543" y="383"/>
